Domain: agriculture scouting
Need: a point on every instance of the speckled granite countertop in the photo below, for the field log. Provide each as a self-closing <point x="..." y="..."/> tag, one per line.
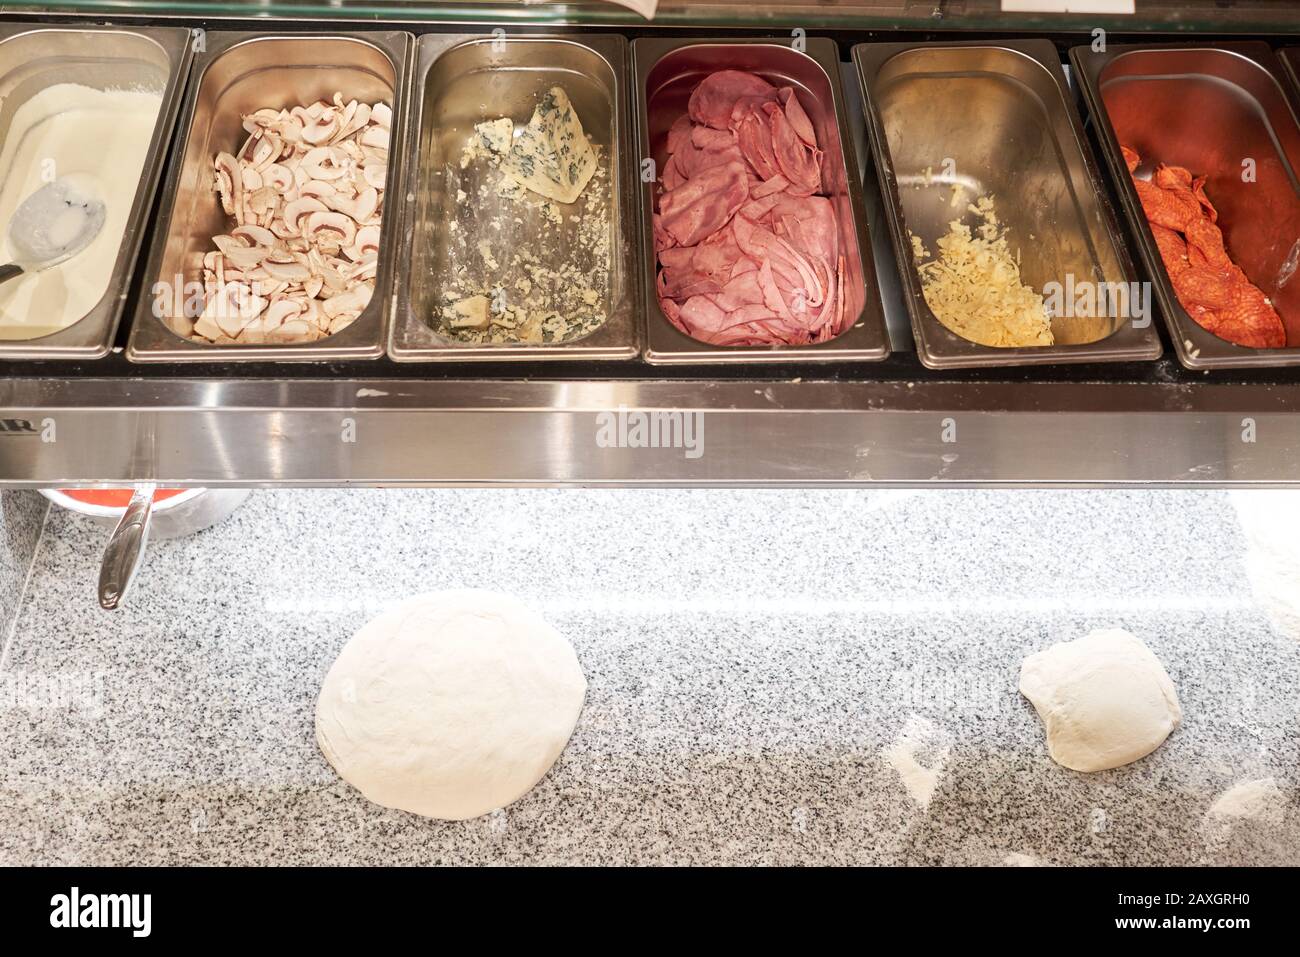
<point x="755" y="659"/>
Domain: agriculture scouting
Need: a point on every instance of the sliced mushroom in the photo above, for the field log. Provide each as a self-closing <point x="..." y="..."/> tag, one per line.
<point x="255" y="235"/>
<point x="365" y="269"/>
<point x="262" y="119"/>
<point x="375" y="136"/>
<point x="324" y="162"/>
<point x="246" y="257"/>
<point x="318" y="188"/>
<point x="330" y="229"/>
<point x="365" y="246"/>
<point x="305" y="193"/>
<point x="287" y="271"/>
<point x="353" y="300"/>
<point x="290" y="129"/>
<point x="321" y="129"/>
<point x="354" y="120"/>
<point x="375" y="174"/>
<point x="300" y="208"/>
<point x="358" y="209"/>
<point x="282" y="310"/>
<point x="295" y="330"/>
<point x="278" y="177"/>
<point x="230" y="183"/>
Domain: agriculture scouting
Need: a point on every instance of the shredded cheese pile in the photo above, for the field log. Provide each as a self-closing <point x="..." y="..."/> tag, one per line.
<point x="973" y="287"/>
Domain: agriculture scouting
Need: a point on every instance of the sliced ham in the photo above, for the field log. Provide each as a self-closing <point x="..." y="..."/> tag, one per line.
<point x="754" y="139"/>
<point x="705" y="203"/>
<point x="800" y="162"/>
<point x="712" y="101"/>
<point x="748" y="248"/>
<point x="796" y="116"/>
<point x="680" y="133"/>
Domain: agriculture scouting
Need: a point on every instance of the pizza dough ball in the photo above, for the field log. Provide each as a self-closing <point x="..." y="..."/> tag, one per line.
<point x="450" y="705"/>
<point x="1105" y="700"/>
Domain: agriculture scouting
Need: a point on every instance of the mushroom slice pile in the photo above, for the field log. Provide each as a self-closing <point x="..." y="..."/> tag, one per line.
<point x="305" y="195"/>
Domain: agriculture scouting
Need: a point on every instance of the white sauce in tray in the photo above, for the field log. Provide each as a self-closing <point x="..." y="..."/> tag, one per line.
<point x="103" y="137"/>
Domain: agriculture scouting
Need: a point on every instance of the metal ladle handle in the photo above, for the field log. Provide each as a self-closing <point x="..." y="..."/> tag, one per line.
<point x="125" y="550"/>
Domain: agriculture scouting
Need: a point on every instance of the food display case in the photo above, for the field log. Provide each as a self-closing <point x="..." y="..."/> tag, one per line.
<point x="917" y="115"/>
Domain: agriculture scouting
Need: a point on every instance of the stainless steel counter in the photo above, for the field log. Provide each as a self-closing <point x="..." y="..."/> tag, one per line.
<point x="887" y="423"/>
<point x="482" y="432"/>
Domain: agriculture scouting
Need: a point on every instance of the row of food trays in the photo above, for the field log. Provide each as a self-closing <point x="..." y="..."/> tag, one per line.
<point x="453" y="197"/>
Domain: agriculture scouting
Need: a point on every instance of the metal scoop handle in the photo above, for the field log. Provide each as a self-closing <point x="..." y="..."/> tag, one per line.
<point x="9" y="271"/>
<point x="125" y="551"/>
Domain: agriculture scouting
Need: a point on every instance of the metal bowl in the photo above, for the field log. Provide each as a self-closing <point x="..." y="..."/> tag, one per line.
<point x="191" y="511"/>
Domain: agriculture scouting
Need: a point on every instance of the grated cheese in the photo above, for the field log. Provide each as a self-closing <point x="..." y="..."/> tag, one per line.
<point x="973" y="286"/>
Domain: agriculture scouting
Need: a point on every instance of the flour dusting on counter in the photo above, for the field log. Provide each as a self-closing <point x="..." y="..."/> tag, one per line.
<point x="918" y="754"/>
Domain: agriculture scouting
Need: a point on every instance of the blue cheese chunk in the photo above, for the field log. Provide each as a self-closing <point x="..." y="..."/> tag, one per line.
<point x="496" y="134"/>
<point x="552" y="155"/>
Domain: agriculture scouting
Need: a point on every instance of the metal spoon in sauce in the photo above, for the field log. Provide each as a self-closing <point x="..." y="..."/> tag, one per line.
<point x="53" y="224"/>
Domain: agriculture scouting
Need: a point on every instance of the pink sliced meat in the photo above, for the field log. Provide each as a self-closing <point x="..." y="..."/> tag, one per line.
<point x="672" y="175"/>
<point x="709" y="139"/>
<point x="704" y="203"/>
<point x="696" y="270"/>
<point x="692" y="159"/>
<point x="662" y="239"/>
<point x="679" y="133"/>
<point x="712" y="101"/>
<point x="809" y="226"/>
<point x="796" y="116"/>
<point x="743" y="290"/>
<point x="800" y="162"/>
<point x="774" y="186"/>
<point x="748" y="249"/>
<point x="754" y="139"/>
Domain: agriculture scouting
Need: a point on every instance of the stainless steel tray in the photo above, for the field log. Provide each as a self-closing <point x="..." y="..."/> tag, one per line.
<point x="1000" y="113"/>
<point x="664" y="74"/>
<point x="238" y="73"/>
<point x="33" y="57"/>
<point x="1208" y="109"/>
<point x="460" y="80"/>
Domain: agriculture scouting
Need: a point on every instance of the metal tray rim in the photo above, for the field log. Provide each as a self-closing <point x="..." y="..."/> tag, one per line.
<point x="152" y="341"/>
<point x="665" y="344"/>
<point x="615" y="339"/>
<point x="868" y="59"/>
<point x="79" y="340"/>
<point x="1197" y="348"/>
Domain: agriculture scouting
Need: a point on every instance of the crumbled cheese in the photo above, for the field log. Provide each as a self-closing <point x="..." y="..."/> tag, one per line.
<point x="491" y="141"/>
<point x="471" y="313"/>
<point x="973" y="286"/>
<point x="496" y="135"/>
<point x="546" y="272"/>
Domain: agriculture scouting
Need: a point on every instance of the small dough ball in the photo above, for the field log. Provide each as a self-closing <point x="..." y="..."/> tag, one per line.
<point x="1105" y="699"/>
<point x="450" y="705"/>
